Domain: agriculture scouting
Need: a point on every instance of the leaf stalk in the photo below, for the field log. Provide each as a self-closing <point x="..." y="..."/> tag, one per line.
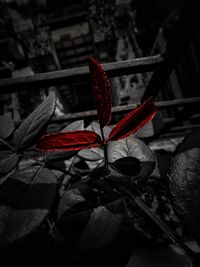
<point x="168" y="232"/>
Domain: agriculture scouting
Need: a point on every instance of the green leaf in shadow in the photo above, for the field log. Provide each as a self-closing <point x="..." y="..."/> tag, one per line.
<point x="6" y="126"/>
<point x="129" y="148"/>
<point x="25" y="200"/>
<point x="35" y="124"/>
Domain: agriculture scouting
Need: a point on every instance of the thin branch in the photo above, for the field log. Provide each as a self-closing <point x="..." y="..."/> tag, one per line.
<point x="8" y="145"/>
<point x="186" y="251"/>
<point x="104" y="150"/>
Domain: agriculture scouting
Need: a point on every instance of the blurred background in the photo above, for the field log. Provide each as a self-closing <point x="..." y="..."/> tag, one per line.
<point x="148" y="48"/>
<point x="51" y="36"/>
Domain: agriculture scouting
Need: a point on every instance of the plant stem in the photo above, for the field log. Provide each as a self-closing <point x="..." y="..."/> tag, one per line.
<point x="105" y="150"/>
<point x="186" y="251"/>
<point x="7" y="144"/>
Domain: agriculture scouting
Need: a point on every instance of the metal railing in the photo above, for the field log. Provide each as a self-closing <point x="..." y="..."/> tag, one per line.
<point x="161" y="65"/>
<point x="46" y="79"/>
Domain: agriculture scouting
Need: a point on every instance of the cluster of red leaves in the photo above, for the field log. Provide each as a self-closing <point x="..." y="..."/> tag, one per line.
<point x="77" y="140"/>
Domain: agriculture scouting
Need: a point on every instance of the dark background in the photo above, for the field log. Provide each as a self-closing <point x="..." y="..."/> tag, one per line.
<point x="44" y="36"/>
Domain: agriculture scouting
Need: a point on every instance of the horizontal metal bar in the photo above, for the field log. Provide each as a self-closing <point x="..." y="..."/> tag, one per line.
<point x="177" y="131"/>
<point x="185" y="128"/>
<point x="173" y="119"/>
<point x="55" y="24"/>
<point x="112" y="69"/>
<point x="177" y="102"/>
<point x="127" y="108"/>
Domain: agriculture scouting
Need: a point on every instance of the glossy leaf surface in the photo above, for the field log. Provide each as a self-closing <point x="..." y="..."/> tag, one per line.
<point x="133" y="121"/>
<point x="135" y="148"/>
<point x="101" y="91"/>
<point x="65" y="155"/>
<point x="75" y="140"/>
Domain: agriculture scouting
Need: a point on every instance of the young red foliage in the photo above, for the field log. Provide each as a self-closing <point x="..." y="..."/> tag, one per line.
<point x="133" y="121"/>
<point x="77" y="140"/>
<point x="66" y="141"/>
<point x="101" y="91"/>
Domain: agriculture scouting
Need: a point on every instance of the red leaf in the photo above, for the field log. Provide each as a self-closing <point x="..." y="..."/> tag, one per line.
<point x="133" y="121"/>
<point x="74" y="140"/>
<point x="101" y="91"/>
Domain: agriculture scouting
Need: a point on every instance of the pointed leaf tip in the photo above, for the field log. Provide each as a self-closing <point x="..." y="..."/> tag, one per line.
<point x="34" y="126"/>
<point x="66" y="141"/>
<point x="7" y="126"/>
<point x="133" y="121"/>
<point x="101" y="90"/>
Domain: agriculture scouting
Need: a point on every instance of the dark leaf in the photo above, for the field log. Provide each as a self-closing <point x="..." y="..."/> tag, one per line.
<point x="6" y="126"/>
<point x="80" y="167"/>
<point x="34" y="126"/>
<point x="185" y="183"/>
<point x="6" y="176"/>
<point x="74" y="211"/>
<point x="25" y="200"/>
<point x="56" y="167"/>
<point x="152" y="127"/>
<point x="93" y="164"/>
<point x="76" y="140"/>
<point x="128" y="165"/>
<point x="8" y="161"/>
<point x="101" y="91"/>
<point x="92" y="221"/>
<point x="189" y="142"/>
<point x="60" y="155"/>
<point x="116" y="176"/>
<point x="133" y="121"/>
<point x="98" y="172"/>
<point x="84" y="223"/>
<point x="157" y="256"/>
<point x="162" y="164"/>
<point x="69" y="199"/>
<point x="102" y="228"/>
<point x="101" y="184"/>
<point x="135" y="148"/>
<point x="71" y="165"/>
